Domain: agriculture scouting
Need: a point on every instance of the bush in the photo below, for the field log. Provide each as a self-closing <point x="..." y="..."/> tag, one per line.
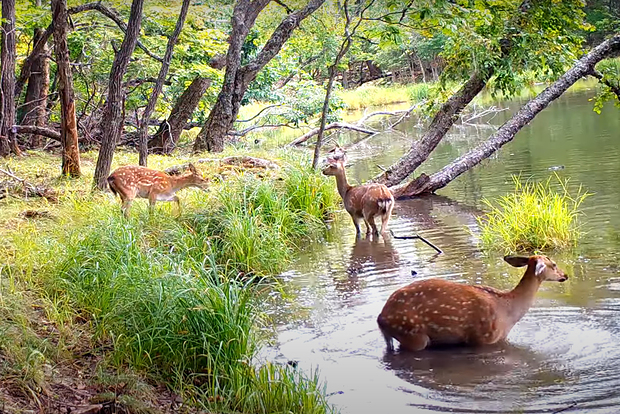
<point x="533" y="217"/>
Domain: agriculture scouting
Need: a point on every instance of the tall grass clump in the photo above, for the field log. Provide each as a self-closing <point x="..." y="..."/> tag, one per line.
<point x="534" y="217"/>
<point x="176" y="299"/>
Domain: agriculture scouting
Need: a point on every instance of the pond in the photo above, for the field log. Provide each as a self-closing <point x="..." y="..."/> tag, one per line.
<point x="563" y="356"/>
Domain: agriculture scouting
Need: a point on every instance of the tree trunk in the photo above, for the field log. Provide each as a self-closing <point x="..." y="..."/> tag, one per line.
<point x="34" y="109"/>
<point x="68" y="123"/>
<point x="507" y="132"/>
<point x="159" y="84"/>
<point x="112" y="119"/>
<point x="167" y="136"/>
<point x="442" y="122"/>
<point x="237" y="77"/>
<point x="8" y="142"/>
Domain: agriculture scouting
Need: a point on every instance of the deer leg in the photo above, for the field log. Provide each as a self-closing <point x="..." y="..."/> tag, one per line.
<point x="125" y="206"/>
<point x="370" y="219"/>
<point x="356" y="222"/>
<point x="152" y="201"/>
<point x="385" y="219"/>
<point x="176" y="200"/>
<point x="414" y="342"/>
<point x="388" y="340"/>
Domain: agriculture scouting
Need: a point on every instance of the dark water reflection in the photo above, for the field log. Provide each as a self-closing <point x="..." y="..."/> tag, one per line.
<point x="563" y="355"/>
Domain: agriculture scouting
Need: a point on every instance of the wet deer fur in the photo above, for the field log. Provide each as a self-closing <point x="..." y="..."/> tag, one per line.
<point x="131" y="181"/>
<point x="439" y="312"/>
<point x="362" y="202"/>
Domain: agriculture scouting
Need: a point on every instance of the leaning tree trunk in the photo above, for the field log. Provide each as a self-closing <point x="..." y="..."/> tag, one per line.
<point x="159" y="84"/>
<point x="8" y="142"/>
<point x="68" y="123"/>
<point x="442" y="122"/>
<point x="237" y="77"/>
<point x="449" y="111"/>
<point x="584" y="66"/>
<point x="167" y="136"/>
<point x="34" y="108"/>
<point x="112" y="119"/>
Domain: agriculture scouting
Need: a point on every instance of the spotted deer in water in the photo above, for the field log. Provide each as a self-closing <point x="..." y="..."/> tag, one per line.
<point x="439" y="312"/>
<point x="362" y="202"/>
<point x="131" y="181"/>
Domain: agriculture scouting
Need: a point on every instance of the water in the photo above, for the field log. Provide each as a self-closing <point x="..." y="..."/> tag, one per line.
<point x="563" y="356"/>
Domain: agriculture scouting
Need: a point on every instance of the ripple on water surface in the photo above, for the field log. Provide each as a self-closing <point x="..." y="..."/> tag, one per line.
<point x="563" y="356"/>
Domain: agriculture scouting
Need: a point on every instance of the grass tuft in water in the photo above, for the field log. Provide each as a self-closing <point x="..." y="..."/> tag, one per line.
<point x="534" y="217"/>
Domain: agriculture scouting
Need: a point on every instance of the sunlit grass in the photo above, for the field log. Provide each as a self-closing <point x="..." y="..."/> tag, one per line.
<point x="173" y="299"/>
<point x="374" y="95"/>
<point x="535" y="216"/>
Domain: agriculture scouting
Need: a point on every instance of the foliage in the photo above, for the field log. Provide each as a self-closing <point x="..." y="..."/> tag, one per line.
<point x="534" y="217"/>
<point x="175" y="299"/>
<point x="610" y="69"/>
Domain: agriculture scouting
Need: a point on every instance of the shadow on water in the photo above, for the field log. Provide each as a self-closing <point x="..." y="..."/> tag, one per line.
<point x="563" y="356"/>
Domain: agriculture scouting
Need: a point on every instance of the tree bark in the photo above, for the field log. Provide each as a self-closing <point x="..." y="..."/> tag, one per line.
<point x="237" y="77"/>
<point x="159" y="84"/>
<point x="449" y="111"/>
<point x="113" y="113"/>
<point x="34" y="108"/>
<point x="583" y="67"/>
<point x="68" y="123"/>
<point x="167" y="136"/>
<point x="8" y="141"/>
<point x="442" y="122"/>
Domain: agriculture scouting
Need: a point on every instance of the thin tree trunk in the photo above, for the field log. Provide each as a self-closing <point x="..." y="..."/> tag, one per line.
<point x="34" y="108"/>
<point x="8" y="141"/>
<point x="237" y="77"/>
<point x="167" y="136"/>
<point x="113" y="113"/>
<point x="344" y="48"/>
<point x="507" y="132"/>
<point x="68" y="123"/>
<point x="159" y="84"/>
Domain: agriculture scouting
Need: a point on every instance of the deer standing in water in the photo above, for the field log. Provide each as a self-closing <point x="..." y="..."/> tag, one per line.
<point x="439" y="312"/>
<point x="362" y="201"/>
<point x="131" y="181"/>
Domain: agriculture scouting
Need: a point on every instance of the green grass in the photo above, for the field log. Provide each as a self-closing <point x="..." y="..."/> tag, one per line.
<point x="174" y="299"/>
<point x="535" y="216"/>
<point x="370" y="95"/>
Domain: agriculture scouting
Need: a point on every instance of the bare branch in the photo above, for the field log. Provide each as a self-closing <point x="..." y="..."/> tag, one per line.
<point x="259" y="112"/>
<point x="334" y="125"/>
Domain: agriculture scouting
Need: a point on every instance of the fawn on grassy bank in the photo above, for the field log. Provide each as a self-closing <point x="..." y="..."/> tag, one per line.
<point x="131" y="181"/>
<point x="362" y="201"/>
<point x="439" y="312"/>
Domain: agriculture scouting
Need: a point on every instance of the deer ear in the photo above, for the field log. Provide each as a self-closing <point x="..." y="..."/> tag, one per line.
<point x="516" y="261"/>
<point x="192" y="168"/>
<point x="540" y="267"/>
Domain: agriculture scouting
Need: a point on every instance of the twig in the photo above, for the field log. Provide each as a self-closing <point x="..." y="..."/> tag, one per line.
<point x="417" y="236"/>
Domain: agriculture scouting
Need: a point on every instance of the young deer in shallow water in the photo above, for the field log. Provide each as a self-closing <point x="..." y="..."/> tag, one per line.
<point x="439" y="312"/>
<point x="362" y="201"/>
<point x="132" y="181"/>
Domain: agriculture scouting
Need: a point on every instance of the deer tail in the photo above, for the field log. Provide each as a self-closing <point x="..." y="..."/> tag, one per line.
<point x="385" y="204"/>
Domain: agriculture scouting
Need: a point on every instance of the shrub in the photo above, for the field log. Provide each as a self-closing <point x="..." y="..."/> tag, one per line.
<point x="534" y="217"/>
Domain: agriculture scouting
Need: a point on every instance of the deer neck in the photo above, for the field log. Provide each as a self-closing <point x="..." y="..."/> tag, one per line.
<point x="521" y="297"/>
<point x="342" y="183"/>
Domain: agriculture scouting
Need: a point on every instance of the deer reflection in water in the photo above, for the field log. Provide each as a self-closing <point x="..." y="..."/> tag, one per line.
<point x="369" y="255"/>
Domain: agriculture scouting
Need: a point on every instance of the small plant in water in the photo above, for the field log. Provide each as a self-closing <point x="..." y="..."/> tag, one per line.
<point x="534" y="217"/>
